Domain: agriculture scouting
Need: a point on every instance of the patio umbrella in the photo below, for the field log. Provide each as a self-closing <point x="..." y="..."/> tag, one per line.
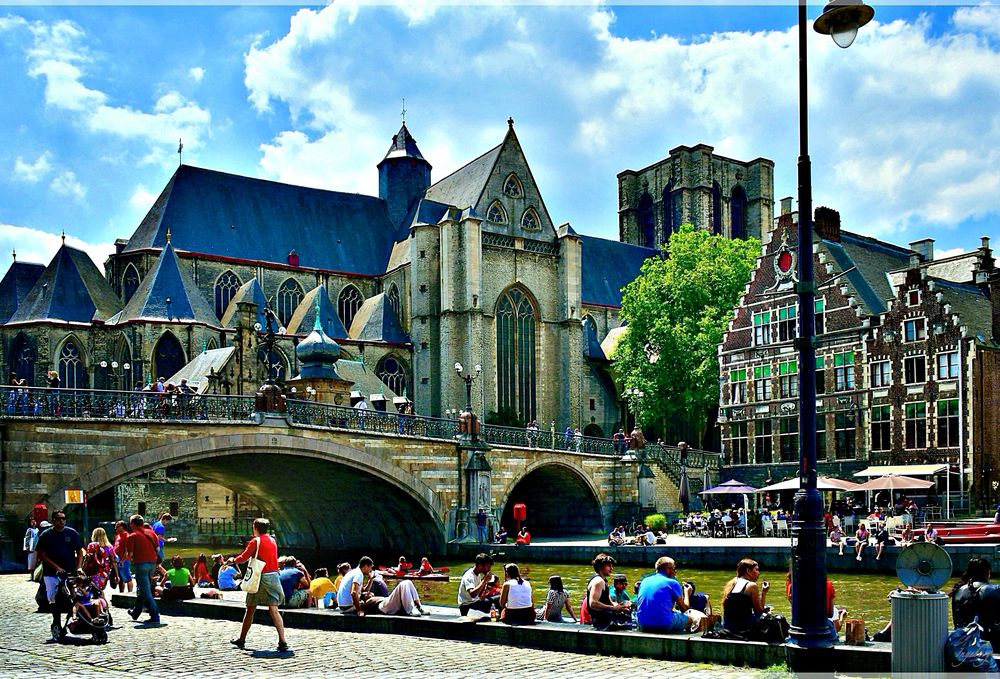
<point x="731" y="487"/>
<point x="822" y="483"/>
<point x="684" y="490"/>
<point x="893" y="482"/>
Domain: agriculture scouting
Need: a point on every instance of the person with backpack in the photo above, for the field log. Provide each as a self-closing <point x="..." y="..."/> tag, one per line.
<point x="143" y="544"/>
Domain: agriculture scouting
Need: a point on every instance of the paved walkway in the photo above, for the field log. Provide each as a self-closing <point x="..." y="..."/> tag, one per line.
<point x="194" y="646"/>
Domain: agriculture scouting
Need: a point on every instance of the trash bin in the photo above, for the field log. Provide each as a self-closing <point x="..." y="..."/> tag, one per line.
<point x="919" y="631"/>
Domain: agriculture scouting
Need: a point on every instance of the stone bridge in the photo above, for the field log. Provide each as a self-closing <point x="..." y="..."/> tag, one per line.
<point x="327" y="476"/>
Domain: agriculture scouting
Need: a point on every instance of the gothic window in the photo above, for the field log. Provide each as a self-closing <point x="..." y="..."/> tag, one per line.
<point x="496" y="214"/>
<point x="392" y="296"/>
<point x="290" y="294"/>
<point x="22" y="359"/>
<point x="716" y="208"/>
<point x="348" y="304"/>
<point x="529" y="220"/>
<point x="512" y="186"/>
<point x="211" y="344"/>
<point x="392" y="374"/>
<point x="669" y="219"/>
<point x="72" y="372"/>
<point x="226" y="286"/>
<point x="647" y="227"/>
<point x="130" y="282"/>
<point x="738" y="213"/>
<point x="168" y="356"/>
<point x="594" y="431"/>
<point x="122" y="378"/>
<point x="275" y="365"/>
<point x="516" y="354"/>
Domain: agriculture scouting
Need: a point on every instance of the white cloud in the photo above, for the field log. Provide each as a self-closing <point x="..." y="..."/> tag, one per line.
<point x="951" y="252"/>
<point x="142" y="198"/>
<point x="33" y="172"/>
<point x="66" y="184"/>
<point x="196" y="73"/>
<point x="983" y="19"/>
<point x="37" y="246"/>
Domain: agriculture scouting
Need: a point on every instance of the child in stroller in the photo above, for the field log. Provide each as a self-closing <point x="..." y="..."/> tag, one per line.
<point x="89" y="612"/>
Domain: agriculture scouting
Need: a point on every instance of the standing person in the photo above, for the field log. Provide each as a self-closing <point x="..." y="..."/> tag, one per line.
<point x="602" y="611"/>
<point x="30" y="542"/>
<point x="663" y="603"/>
<point x="473" y="586"/>
<point x="743" y="600"/>
<point x="100" y="558"/>
<point x="142" y="546"/>
<point x="269" y="593"/>
<point x="481" y="519"/>
<point x="160" y="528"/>
<point x="362" y="407"/>
<point x="516" y="605"/>
<point x="123" y="558"/>
<point x="52" y="382"/>
<point x="60" y="550"/>
<point x="567" y="436"/>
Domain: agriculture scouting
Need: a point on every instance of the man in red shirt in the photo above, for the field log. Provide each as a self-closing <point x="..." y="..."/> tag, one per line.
<point x="142" y="543"/>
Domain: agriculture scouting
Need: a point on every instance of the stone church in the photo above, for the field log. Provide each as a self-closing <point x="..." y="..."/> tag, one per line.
<point x="470" y="268"/>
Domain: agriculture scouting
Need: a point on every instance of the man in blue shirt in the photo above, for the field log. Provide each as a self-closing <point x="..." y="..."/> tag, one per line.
<point x="659" y="593"/>
<point x="294" y="583"/>
<point x="160" y="528"/>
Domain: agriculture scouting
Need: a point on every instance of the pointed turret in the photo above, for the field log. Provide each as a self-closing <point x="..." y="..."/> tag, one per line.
<point x="166" y="294"/>
<point x="70" y="289"/>
<point x="403" y="176"/>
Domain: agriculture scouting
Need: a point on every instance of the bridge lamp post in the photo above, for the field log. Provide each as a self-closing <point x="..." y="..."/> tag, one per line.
<point x="468" y="379"/>
<point x="114" y="372"/>
<point x="633" y="395"/>
<point x="841" y="19"/>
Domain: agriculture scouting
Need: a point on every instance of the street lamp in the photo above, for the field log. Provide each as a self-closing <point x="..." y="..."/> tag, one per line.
<point x="468" y="379"/>
<point x="635" y="395"/>
<point x="114" y="371"/>
<point x="810" y="629"/>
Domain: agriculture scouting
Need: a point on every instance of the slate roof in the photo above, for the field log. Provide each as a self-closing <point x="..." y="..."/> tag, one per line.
<point x="224" y="214"/>
<point x="591" y="344"/>
<point x="248" y="292"/>
<point x="16" y="283"/>
<point x="463" y="187"/>
<point x="872" y="259"/>
<point x="165" y="281"/>
<point x="607" y="266"/>
<point x="403" y="146"/>
<point x="376" y="322"/>
<point x="69" y="289"/>
<point x="365" y="380"/>
<point x="971" y="304"/>
<point x="612" y="339"/>
<point x="197" y="369"/>
<point x="304" y="318"/>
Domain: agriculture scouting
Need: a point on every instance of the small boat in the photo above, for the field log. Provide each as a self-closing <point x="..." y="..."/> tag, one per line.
<point x="436" y="576"/>
<point x="966" y="533"/>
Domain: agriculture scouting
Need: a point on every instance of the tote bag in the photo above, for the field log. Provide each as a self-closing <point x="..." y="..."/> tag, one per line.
<point x="251" y="579"/>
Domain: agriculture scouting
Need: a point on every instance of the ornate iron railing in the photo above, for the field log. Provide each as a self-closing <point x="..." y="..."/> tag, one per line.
<point x="97" y="404"/>
<point x="311" y="413"/>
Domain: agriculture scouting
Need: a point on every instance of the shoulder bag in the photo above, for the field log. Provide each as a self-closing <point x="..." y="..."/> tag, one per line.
<point x="251" y="579"/>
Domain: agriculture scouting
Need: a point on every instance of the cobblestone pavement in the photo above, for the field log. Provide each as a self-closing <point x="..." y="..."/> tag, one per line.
<point x="194" y="647"/>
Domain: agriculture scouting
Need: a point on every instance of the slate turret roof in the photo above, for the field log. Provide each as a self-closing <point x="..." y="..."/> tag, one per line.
<point x="248" y="292"/>
<point x="376" y="322"/>
<point x="70" y="289"/>
<point x="16" y="283"/>
<point x="403" y="146"/>
<point x="303" y="320"/>
<point x="229" y="215"/>
<point x="166" y="282"/>
<point x="607" y="266"/>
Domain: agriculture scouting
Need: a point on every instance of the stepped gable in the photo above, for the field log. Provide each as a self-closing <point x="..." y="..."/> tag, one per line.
<point x="873" y="259"/>
<point x="15" y="286"/>
<point x="166" y="282"/>
<point x="248" y="292"/>
<point x="70" y="289"/>
<point x="607" y="266"/>
<point x="303" y="320"/>
<point x="216" y="213"/>
<point x="376" y="322"/>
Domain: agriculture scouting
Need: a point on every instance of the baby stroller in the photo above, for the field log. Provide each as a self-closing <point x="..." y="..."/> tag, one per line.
<point x="87" y="611"/>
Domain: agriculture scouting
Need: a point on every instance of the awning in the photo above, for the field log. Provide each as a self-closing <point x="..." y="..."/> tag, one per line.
<point x="904" y="470"/>
<point x="823" y="483"/>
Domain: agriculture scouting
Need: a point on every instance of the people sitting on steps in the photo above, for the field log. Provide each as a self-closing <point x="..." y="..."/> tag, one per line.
<point x="473" y="588"/>
<point x="663" y="605"/>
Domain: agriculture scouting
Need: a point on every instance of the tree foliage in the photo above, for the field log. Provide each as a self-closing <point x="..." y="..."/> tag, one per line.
<point x="676" y="311"/>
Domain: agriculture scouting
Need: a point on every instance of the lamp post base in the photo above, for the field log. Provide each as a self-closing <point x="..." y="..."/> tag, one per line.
<point x="810" y="623"/>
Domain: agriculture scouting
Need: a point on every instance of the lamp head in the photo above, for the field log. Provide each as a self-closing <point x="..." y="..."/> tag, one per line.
<point x="479" y="368"/>
<point x="114" y="364"/>
<point x="104" y="364"/>
<point x="841" y="20"/>
<point x="458" y="368"/>
<point x="127" y="366"/>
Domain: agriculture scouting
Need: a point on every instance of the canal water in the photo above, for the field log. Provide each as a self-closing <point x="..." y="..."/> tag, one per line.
<point x="861" y="594"/>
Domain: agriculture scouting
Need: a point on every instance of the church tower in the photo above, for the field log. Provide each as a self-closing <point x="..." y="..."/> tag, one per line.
<point x="403" y="175"/>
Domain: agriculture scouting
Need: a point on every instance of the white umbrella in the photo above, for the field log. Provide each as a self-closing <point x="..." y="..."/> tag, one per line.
<point x="822" y="483"/>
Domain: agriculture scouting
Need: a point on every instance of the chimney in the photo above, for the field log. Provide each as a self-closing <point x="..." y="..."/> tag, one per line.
<point x="120" y="244"/>
<point x="924" y="247"/>
<point x="826" y="224"/>
<point x="786" y="205"/>
<point x="293" y="258"/>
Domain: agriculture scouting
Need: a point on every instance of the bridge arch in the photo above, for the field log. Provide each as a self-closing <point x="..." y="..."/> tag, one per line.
<point x="321" y="494"/>
<point x="560" y="498"/>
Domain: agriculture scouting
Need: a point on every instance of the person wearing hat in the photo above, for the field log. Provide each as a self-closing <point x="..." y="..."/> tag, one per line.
<point x="664" y="604"/>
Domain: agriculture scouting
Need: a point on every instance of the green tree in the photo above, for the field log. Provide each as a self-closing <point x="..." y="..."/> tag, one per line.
<point x="676" y="311"/>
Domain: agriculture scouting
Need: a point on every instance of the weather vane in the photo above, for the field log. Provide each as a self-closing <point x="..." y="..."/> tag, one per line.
<point x="180" y="149"/>
<point x="404" y="110"/>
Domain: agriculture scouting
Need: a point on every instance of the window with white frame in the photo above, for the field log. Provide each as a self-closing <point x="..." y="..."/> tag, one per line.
<point x="915" y="369"/>
<point x="738" y="443"/>
<point x="786" y="323"/>
<point x="738" y="386"/>
<point x="881" y="374"/>
<point x="843" y="371"/>
<point x="947" y="365"/>
<point x="914" y="329"/>
<point x="761" y="328"/>
<point x="916" y="425"/>
<point x="788" y="379"/>
<point x="947" y="423"/>
<point x="762" y="383"/>
<point x="913" y="298"/>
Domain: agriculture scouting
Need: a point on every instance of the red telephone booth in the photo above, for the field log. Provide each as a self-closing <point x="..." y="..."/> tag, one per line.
<point x="40" y="513"/>
<point x="520" y="513"/>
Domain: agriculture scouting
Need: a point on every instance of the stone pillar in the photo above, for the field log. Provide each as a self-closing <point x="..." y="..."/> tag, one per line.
<point x="478" y="490"/>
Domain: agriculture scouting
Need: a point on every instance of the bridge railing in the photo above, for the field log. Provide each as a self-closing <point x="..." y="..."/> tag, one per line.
<point x="370" y="420"/>
<point x="91" y="404"/>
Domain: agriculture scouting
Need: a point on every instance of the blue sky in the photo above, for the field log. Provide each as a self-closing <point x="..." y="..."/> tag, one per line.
<point x="905" y="124"/>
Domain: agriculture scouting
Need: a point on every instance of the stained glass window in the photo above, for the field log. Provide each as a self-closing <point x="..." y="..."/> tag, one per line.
<point x="226" y="286"/>
<point x="529" y="220"/>
<point x="512" y="186"/>
<point x="392" y="296"/>
<point x="348" y="303"/>
<point x="392" y="374"/>
<point x="168" y="357"/>
<point x="647" y="227"/>
<point x="669" y="219"/>
<point x="290" y="294"/>
<point x="23" y="359"/>
<point x="496" y="214"/>
<point x="516" y="354"/>
<point x="72" y="373"/>
<point x="738" y="213"/>
<point x="120" y="377"/>
<point x="130" y="282"/>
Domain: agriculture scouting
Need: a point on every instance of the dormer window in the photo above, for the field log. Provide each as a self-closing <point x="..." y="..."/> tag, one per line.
<point x="529" y="220"/>
<point x="512" y="186"/>
<point x="912" y="298"/>
<point x="496" y="214"/>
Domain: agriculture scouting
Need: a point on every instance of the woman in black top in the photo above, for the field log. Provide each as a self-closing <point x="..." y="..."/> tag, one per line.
<point x="973" y="596"/>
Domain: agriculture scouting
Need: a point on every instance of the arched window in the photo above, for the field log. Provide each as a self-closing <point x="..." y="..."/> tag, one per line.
<point x="647" y="227"/>
<point x="716" y="208"/>
<point x="512" y="186"/>
<point x="348" y="303"/>
<point x="738" y="213"/>
<point x="530" y="221"/>
<point x="290" y="294"/>
<point x="392" y="296"/>
<point x="496" y="214"/>
<point x="22" y="359"/>
<point x="516" y="354"/>
<point x="130" y="282"/>
<point x="226" y="286"/>
<point x="168" y="356"/>
<point x="390" y="370"/>
<point x="669" y="218"/>
<point x="211" y="344"/>
<point x="120" y="377"/>
<point x="72" y="372"/>
<point x="593" y="430"/>
<point x="275" y="364"/>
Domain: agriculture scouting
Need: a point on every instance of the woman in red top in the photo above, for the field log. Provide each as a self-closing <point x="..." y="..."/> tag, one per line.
<point x="269" y="593"/>
<point x="201" y="574"/>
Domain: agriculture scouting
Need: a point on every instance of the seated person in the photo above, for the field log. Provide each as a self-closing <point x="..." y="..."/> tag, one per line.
<point x="473" y="588"/>
<point x="617" y="537"/>
<point x="201" y="574"/>
<point x="425" y="567"/>
<point x="973" y="596"/>
<point x="837" y="540"/>
<point x="619" y="591"/>
<point x="699" y="601"/>
<point x="906" y="537"/>
<point x="664" y="604"/>
<point x="743" y="600"/>
<point x="516" y="605"/>
<point x="648" y="538"/>
<point x="602" y="612"/>
<point x="403" y="565"/>
<point x="321" y="588"/>
<point x="294" y="583"/>
<point x="501" y="536"/>
<point x="230" y="577"/>
<point x="352" y="597"/>
<point x="523" y="537"/>
<point x="177" y="582"/>
<point x="555" y="601"/>
<point x="217" y="563"/>
<point x="342" y="570"/>
<point x="881" y="540"/>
